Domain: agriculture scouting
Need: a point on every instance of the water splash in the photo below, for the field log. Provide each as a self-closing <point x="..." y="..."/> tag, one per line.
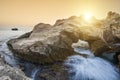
<point x="35" y="74"/>
<point x="7" y="55"/>
<point x="91" y="68"/>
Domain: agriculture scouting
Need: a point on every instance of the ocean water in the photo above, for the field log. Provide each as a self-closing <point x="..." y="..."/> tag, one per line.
<point x="91" y="68"/>
<point x="8" y="34"/>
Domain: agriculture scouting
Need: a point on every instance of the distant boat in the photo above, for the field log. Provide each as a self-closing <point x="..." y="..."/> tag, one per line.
<point x="14" y="29"/>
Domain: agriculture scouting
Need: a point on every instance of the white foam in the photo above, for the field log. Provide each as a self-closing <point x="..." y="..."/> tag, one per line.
<point x="91" y="68"/>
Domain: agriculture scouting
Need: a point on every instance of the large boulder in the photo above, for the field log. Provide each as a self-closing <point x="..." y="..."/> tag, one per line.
<point x="46" y="43"/>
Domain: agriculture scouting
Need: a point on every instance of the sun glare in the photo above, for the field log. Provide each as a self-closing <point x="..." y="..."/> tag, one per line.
<point x="87" y="16"/>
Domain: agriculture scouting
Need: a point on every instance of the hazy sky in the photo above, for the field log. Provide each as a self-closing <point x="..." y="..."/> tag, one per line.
<point x="31" y="12"/>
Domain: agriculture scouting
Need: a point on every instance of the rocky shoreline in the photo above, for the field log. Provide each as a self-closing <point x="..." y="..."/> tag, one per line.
<point x="50" y="45"/>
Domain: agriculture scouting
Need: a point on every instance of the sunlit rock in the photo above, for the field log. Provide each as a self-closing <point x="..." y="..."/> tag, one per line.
<point x="50" y="43"/>
<point x="46" y="44"/>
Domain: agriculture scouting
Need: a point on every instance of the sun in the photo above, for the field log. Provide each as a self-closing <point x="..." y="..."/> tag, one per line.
<point x="87" y="16"/>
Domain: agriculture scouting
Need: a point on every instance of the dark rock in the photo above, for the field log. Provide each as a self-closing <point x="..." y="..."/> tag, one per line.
<point x="55" y="71"/>
<point x="119" y="61"/>
<point x="0" y="56"/>
<point x="26" y="35"/>
<point x="14" y="29"/>
<point x="119" y="58"/>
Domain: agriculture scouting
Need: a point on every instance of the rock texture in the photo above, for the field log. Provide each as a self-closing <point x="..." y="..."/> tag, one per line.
<point x="48" y="44"/>
<point x="111" y="31"/>
<point x="10" y="73"/>
<point x="117" y="59"/>
<point x="52" y="72"/>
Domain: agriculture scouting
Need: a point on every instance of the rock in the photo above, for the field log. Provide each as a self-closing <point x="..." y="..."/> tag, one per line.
<point x="98" y="47"/>
<point x="26" y="35"/>
<point x="5" y="78"/>
<point x="116" y="57"/>
<point x="46" y="43"/>
<point x="119" y="58"/>
<point x="14" y="29"/>
<point x="55" y="71"/>
<point x="111" y="31"/>
<point x="11" y="73"/>
<point x="81" y="44"/>
<point x="0" y="55"/>
<point x="82" y="48"/>
<point x="49" y="44"/>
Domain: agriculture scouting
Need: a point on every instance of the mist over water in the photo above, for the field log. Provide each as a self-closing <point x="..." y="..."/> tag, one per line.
<point x="91" y="68"/>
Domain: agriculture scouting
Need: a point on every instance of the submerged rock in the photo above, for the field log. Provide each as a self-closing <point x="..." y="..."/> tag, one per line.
<point x="14" y="29"/>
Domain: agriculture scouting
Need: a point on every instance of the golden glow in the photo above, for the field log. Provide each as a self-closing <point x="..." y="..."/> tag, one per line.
<point x="32" y="12"/>
<point x="87" y="16"/>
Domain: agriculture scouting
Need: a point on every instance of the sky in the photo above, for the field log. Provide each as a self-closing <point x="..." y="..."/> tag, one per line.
<point x="32" y="12"/>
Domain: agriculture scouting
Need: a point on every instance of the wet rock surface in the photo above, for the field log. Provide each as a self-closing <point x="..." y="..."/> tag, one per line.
<point x="10" y="73"/>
